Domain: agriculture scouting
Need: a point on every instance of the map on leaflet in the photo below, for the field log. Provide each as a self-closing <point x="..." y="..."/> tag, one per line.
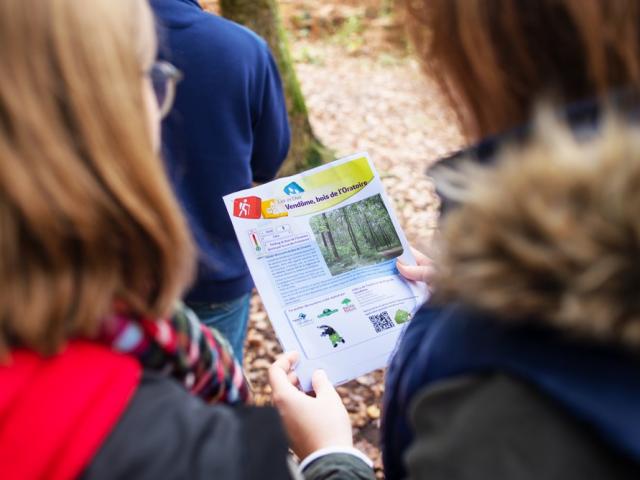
<point x="322" y="248"/>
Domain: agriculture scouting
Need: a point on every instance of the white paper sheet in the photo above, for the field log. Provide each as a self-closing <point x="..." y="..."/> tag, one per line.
<point x="322" y="248"/>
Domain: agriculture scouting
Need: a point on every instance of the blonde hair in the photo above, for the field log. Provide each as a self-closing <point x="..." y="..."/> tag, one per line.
<point x="87" y="216"/>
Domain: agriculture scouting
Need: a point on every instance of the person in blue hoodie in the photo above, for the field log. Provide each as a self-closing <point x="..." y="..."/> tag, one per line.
<point x="227" y="130"/>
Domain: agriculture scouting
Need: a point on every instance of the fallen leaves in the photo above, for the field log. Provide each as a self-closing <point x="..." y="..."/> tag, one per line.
<point x="373" y="412"/>
<point x="380" y="103"/>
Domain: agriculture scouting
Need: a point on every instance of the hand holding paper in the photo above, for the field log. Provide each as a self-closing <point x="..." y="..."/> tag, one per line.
<point x="322" y="248"/>
<point x="422" y="272"/>
<point x="311" y="422"/>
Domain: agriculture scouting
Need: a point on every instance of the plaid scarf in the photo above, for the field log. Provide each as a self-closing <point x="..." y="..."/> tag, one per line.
<point x="195" y="355"/>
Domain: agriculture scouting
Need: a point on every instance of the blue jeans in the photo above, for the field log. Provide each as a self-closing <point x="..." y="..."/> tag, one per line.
<point x="229" y="318"/>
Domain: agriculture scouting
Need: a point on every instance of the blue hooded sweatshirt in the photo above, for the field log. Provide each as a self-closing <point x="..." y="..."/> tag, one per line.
<point x="228" y="129"/>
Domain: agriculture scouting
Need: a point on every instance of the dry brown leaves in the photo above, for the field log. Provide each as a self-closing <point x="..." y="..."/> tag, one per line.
<point x="378" y="102"/>
<point x="363" y="93"/>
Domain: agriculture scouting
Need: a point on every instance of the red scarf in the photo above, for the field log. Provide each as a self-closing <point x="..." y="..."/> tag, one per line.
<point x="56" y="412"/>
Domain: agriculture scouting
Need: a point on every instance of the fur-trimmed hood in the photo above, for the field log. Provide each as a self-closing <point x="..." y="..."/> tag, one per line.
<point x="549" y="232"/>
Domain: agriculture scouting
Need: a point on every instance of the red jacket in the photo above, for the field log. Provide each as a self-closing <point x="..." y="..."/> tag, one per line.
<point x="56" y="412"/>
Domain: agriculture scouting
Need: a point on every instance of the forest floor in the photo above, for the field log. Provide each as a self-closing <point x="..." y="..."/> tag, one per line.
<point x="365" y="92"/>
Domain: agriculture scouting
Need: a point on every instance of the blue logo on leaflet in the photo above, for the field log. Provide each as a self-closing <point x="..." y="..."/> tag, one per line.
<point x="293" y="189"/>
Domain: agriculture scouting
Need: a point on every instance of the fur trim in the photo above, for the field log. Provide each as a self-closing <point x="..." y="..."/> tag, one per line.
<point x="551" y="232"/>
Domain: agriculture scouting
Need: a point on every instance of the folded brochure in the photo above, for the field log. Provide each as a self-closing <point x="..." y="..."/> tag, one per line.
<point x="322" y="247"/>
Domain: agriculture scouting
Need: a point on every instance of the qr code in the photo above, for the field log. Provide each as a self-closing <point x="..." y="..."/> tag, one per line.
<point x="381" y="321"/>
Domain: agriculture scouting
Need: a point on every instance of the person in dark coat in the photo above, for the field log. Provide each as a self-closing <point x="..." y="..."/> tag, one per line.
<point x="524" y="364"/>
<point x="227" y="130"/>
<point x="95" y="381"/>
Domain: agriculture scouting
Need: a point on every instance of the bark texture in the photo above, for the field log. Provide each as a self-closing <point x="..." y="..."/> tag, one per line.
<point x="262" y="17"/>
<point x="330" y="237"/>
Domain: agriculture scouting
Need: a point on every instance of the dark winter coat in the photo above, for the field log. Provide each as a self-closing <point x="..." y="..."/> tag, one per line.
<point x="91" y="413"/>
<point x="525" y="366"/>
<point x="167" y="433"/>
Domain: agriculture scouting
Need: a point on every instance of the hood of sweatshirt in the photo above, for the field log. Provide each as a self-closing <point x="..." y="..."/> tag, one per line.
<point x="177" y="13"/>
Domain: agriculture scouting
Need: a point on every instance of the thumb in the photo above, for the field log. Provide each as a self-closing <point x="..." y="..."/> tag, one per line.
<point x="279" y="375"/>
<point x="421" y="258"/>
<point x="417" y="273"/>
<point x="321" y="384"/>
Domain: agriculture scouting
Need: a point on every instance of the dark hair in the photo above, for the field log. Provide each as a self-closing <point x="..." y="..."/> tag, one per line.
<point x="495" y="59"/>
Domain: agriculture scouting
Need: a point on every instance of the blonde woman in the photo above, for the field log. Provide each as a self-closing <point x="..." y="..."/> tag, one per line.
<point x="90" y="231"/>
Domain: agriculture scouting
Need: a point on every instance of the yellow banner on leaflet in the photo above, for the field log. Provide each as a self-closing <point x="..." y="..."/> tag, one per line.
<point x="343" y="175"/>
<point x="327" y="188"/>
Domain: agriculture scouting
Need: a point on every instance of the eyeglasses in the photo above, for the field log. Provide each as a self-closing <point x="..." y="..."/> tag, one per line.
<point x="164" y="78"/>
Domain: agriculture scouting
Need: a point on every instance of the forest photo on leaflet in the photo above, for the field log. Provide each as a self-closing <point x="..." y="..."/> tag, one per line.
<point x="357" y="235"/>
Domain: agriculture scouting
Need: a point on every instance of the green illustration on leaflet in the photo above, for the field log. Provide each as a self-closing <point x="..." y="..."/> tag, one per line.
<point x="327" y="312"/>
<point x="334" y="337"/>
<point x="402" y="316"/>
<point x="348" y="306"/>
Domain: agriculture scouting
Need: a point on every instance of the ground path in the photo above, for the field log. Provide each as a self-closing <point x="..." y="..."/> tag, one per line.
<point x="383" y="105"/>
<point x="364" y="93"/>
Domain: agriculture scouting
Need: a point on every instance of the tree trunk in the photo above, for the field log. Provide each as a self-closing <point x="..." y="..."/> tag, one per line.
<point x="367" y="238"/>
<point x="376" y="241"/>
<point x="330" y="237"/>
<point x="262" y="17"/>
<point x="324" y="240"/>
<point x="351" y="232"/>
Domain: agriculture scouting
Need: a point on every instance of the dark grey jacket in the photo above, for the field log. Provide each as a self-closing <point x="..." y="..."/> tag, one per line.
<point x="516" y="259"/>
<point x="497" y="427"/>
<point x="165" y="433"/>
